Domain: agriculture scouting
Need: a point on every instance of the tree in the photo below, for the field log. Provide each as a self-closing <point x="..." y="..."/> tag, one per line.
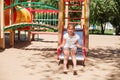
<point x="101" y="11"/>
<point x="50" y="2"/>
<point x="115" y="19"/>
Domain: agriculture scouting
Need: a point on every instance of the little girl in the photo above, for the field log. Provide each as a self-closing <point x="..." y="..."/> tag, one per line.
<point x="69" y="45"/>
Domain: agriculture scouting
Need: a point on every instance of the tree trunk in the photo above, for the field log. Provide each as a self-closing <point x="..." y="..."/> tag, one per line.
<point x="102" y="29"/>
<point x="117" y="30"/>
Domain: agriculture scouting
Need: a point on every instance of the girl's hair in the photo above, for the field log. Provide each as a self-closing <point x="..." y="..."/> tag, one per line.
<point x="71" y="25"/>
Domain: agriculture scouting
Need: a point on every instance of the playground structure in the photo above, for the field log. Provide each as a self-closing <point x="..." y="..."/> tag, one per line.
<point x="28" y="16"/>
<point x="31" y="19"/>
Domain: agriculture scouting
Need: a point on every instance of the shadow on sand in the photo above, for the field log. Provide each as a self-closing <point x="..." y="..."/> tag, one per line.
<point x="108" y="55"/>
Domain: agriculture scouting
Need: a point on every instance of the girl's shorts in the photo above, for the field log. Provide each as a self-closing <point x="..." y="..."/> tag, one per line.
<point x="70" y="48"/>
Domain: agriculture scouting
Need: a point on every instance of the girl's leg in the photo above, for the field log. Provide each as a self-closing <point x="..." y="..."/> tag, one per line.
<point x="66" y="56"/>
<point x="73" y="55"/>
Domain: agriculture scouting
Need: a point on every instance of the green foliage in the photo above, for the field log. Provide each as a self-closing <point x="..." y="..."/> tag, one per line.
<point x="54" y="3"/>
<point x="116" y="15"/>
<point x="102" y="11"/>
<point x="35" y="4"/>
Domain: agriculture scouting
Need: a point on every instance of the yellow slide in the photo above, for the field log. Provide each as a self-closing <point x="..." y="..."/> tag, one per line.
<point x="19" y="16"/>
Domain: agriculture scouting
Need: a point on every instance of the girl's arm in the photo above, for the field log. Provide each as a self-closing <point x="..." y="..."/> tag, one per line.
<point x="78" y="45"/>
<point x="63" y="43"/>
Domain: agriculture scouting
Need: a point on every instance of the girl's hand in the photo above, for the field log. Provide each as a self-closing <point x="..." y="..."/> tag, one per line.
<point x="59" y="47"/>
<point x="83" y="47"/>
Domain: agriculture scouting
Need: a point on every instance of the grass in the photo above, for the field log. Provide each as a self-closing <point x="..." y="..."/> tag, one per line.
<point x="97" y="31"/>
<point x="110" y="32"/>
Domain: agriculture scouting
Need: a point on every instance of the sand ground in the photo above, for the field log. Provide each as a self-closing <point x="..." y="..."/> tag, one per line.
<point x="37" y="60"/>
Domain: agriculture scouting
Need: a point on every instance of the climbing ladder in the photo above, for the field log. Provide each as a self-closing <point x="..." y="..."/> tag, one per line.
<point x="72" y="9"/>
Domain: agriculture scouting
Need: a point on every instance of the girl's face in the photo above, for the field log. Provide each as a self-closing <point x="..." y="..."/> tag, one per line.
<point x="71" y="30"/>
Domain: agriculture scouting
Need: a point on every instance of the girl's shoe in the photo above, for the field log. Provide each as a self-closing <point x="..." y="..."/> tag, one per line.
<point x="74" y="72"/>
<point x="65" y="70"/>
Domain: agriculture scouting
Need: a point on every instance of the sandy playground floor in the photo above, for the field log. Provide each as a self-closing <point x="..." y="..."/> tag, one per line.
<point x="37" y="60"/>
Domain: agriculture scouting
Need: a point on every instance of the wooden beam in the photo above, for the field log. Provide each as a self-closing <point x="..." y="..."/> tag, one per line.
<point x="29" y="31"/>
<point x="2" y="39"/>
<point x="19" y="35"/>
<point x="66" y="14"/>
<point x="87" y="23"/>
<point x="60" y="21"/>
<point x="12" y="32"/>
<point x="12" y="36"/>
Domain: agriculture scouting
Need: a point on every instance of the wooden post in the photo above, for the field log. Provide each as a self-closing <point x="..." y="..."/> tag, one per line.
<point x="66" y="14"/>
<point x="29" y="31"/>
<point x="33" y="17"/>
<point x="87" y="23"/>
<point x="85" y="15"/>
<point x="19" y="35"/>
<point x="12" y="32"/>
<point x="60" y="21"/>
<point x="12" y="36"/>
<point x="2" y="38"/>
